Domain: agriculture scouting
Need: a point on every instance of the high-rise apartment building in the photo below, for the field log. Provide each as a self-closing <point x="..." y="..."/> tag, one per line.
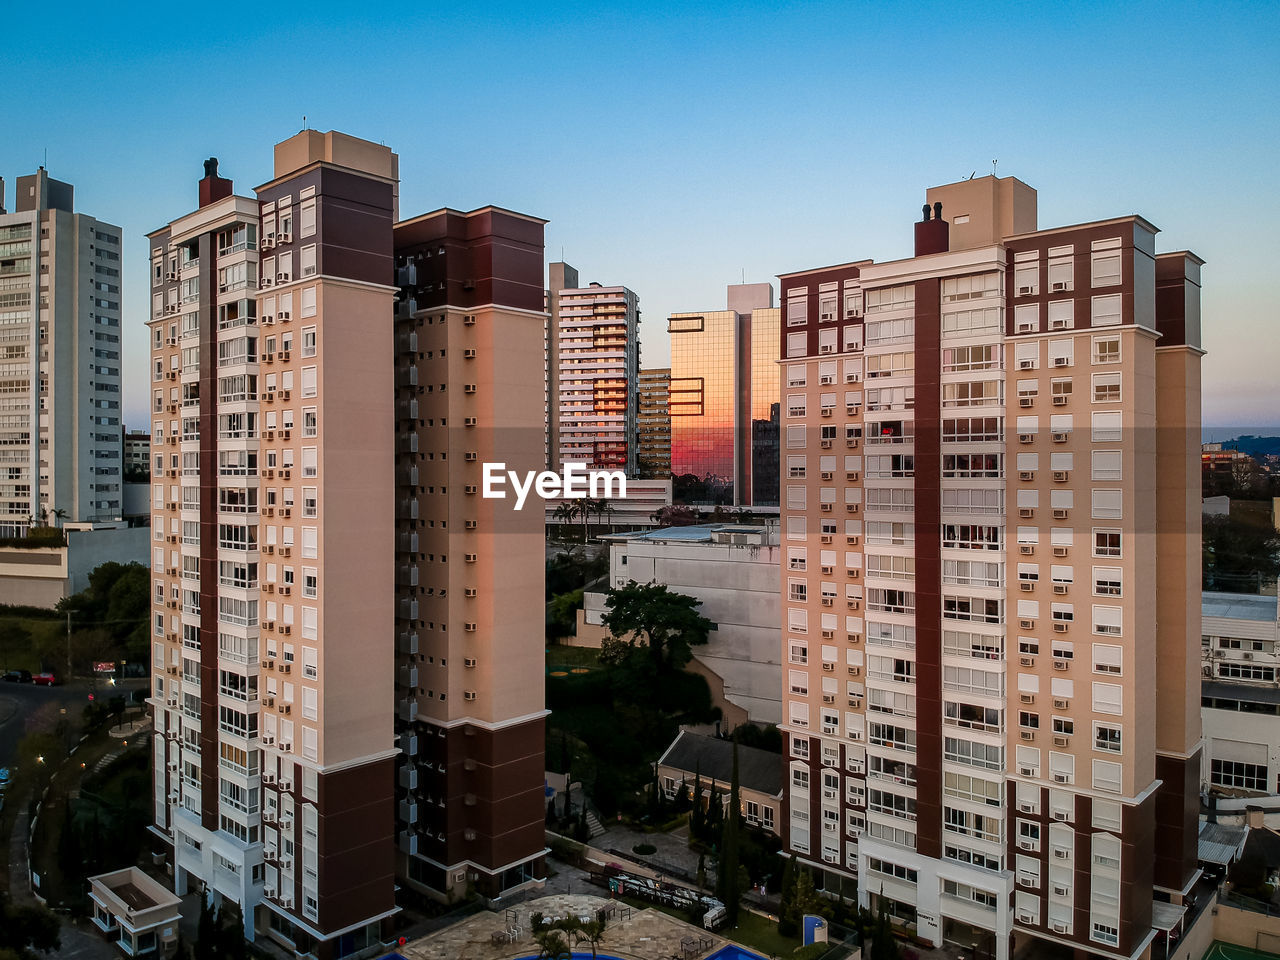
<point x="593" y="364"/>
<point x="299" y="499"/>
<point x="724" y="392"/>
<point x="468" y="569"/>
<point x="653" y="425"/>
<point x="59" y="359"/>
<point x="991" y="581"/>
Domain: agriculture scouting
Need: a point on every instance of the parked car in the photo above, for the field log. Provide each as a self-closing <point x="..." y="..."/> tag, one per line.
<point x="44" y="679"/>
<point x="18" y="676"/>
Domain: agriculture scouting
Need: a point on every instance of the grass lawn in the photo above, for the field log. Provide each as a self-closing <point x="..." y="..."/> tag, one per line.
<point x="18" y="647"/>
<point x="562" y="656"/>
<point x="761" y="935"/>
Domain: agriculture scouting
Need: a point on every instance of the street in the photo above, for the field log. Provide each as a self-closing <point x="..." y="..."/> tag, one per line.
<point x="18" y="701"/>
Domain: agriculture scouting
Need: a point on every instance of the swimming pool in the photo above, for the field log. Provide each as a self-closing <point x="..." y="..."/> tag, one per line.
<point x="732" y="952"/>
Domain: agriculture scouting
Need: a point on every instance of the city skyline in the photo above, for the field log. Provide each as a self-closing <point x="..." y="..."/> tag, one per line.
<point x="826" y="102"/>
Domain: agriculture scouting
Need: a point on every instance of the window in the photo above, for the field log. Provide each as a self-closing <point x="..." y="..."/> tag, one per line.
<point x="1106" y="310"/>
<point x="307" y="264"/>
<point x="1106" y="387"/>
<point x="975" y="287"/>
<point x="1106" y="349"/>
<point x="1108" y="698"/>
<point x="1238" y="775"/>
<point x="310" y="542"/>
<point x="891" y="298"/>
<point x="307" y="219"/>
<point x="1105" y="267"/>
<point x="1061" y="353"/>
<point x="1107" y="582"/>
<point x="1108" y="504"/>
<point x="310" y="461"/>
<point x="310" y="424"/>
<point x="1106" y="543"/>
<point x="308" y="381"/>
<point x="797" y="344"/>
<point x="1107" y="657"/>
<point x="1106" y="465"/>
<point x="1061" y="314"/>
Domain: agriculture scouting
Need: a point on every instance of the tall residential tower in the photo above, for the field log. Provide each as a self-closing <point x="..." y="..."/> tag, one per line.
<point x="59" y="360"/>
<point x="991" y="521"/>
<point x="301" y="530"/>
<point x="593" y="365"/>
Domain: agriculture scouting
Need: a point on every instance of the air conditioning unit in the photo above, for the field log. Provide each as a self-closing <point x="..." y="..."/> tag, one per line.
<point x="1060" y="742"/>
<point x="285" y="315"/>
<point x="469" y="388"/>
<point x="851" y="443"/>
<point x="1026" y="549"/>
<point x="851" y="539"/>
<point x="469" y="627"/>
<point x="1059" y="927"/>
<point x="468" y="695"/>
<point x="1028" y="698"/>
<point x="1060" y="664"/>
<point x="1026" y="844"/>
<point x="1028" y="735"/>
<point x="1061" y="361"/>
<point x="1026" y="474"/>
<point x="469" y="662"/>
<point x="1028" y="772"/>
<point x="1061" y="436"/>
<point x="827" y="507"/>
<point x="469" y="421"/>
<point x="1025" y="401"/>
<point x="1026" y="437"/>
<point x="1060" y="588"/>
<point x="469" y="557"/>
<point x="469" y="524"/>
<point x="825" y="444"/>
<point x="470" y="488"/>
<point x="1060" y="626"/>
<point x="1059" y="551"/>
<point x="1027" y="806"/>
<point x="854" y="604"/>
<point x="1059" y="514"/>
<point x="851" y="508"/>
<point x="1060" y="400"/>
<point x="1026" y="586"/>
<point x="1026" y="364"/>
<point x="1060" y="476"/>
<point x="1060" y="704"/>
<point x="828" y="698"/>
<point x="1026" y="624"/>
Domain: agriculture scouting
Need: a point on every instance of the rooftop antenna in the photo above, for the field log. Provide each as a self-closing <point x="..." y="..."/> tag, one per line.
<point x="993" y="167"/>
<point x="304" y="121"/>
<point x="744" y="275"/>
<point x="972" y="175"/>
<point x="46" y="158"/>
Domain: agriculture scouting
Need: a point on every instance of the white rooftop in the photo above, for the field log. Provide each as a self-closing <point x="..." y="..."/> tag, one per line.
<point x="1238" y="606"/>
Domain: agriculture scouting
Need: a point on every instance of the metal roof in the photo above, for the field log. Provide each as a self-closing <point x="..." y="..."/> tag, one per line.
<point x="1221" y="843"/>
<point x="1238" y="606"/>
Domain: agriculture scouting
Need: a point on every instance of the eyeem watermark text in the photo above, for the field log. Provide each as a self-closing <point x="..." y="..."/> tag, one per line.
<point x="574" y="482"/>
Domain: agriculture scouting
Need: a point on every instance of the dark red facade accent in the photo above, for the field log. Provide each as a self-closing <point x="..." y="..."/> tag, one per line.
<point x="928" y="519"/>
<point x="214" y="188"/>
<point x="1177" y="819"/>
<point x="356" y="844"/>
<point x="932" y="236"/>
<point x="209" y="531"/>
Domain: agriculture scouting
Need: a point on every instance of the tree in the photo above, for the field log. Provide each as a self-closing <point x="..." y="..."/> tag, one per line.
<point x="592" y="932"/>
<point x="59" y="515"/>
<point x="728" y="888"/>
<point x="25" y="930"/>
<point x="883" y="944"/>
<point x="1239" y="556"/>
<point x="564" y="513"/>
<point x="676" y="515"/>
<point x="562" y="614"/>
<point x="552" y="945"/>
<point x="668" y="623"/>
<point x="696" y="815"/>
<point x="206" y="946"/>
<point x="787" y="925"/>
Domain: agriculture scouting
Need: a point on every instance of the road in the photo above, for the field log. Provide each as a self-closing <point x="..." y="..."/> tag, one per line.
<point x="18" y="701"/>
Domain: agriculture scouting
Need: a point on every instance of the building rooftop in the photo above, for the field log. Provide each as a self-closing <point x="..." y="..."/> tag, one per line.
<point x="692" y="533"/>
<point x="758" y="770"/>
<point x="1221" y="843"/>
<point x="1238" y="606"/>
<point x="1231" y="690"/>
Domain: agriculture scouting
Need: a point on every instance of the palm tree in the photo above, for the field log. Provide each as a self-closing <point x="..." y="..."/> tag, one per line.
<point x="604" y="510"/>
<point x="564" y="514"/>
<point x="59" y="515"/>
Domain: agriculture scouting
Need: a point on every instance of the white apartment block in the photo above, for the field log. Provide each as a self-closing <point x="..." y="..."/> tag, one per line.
<point x="1240" y="635"/>
<point x="983" y="528"/>
<point x="60" y="446"/>
<point x="593" y="374"/>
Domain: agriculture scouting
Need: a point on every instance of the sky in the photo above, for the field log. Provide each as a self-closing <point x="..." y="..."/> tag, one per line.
<point x="676" y="149"/>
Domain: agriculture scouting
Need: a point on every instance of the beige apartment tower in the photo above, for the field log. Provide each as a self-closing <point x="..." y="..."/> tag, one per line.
<point x="991" y="526"/>
<point x="653" y="425"/>
<point x="60" y="433"/>
<point x="301" y="527"/>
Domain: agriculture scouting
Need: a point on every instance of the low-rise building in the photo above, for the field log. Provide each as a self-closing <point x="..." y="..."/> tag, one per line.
<point x="693" y="757"/>
<point x="644" y="498"/>
<point x="732" y="569"/>
<point x="40" y="569"/>
<point x="135" y="912"/>
<point x="1240" y="694"/>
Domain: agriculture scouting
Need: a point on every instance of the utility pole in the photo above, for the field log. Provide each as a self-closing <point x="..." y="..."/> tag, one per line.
<point x="68" y="646"/>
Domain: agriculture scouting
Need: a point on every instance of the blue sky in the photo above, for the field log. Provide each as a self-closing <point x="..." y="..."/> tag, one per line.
<point x="676" y="148"/>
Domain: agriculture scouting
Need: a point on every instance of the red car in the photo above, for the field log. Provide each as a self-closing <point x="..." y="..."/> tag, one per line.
<point x="44" y="680"/>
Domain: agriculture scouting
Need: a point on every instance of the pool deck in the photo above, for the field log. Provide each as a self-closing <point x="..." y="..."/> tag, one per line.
<point x="647" y="935"/>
